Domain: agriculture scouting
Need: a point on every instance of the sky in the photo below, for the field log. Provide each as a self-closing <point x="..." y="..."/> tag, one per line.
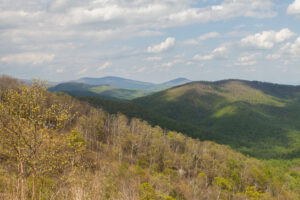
<point x="151" y="40"/>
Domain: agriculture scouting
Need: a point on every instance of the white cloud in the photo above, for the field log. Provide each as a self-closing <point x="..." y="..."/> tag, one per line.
<point x="104" y="66"/>
<point x="141" y="70"/>
<point x="82" y="71"/>
<point x="20" y="17"/>
<point x="274" y="56"/>
<point x="190" y="63"/>
<point x="163" y="13"/>
<point x="295" y="47"/>
<point x="58" y="4"/>
<point x="164" y="46"/>
<point x="28" y="58"/>
<point x="190" y="42"/>
<point x="59" y="70"/>
<point x="172" y="63"/>
<point x="154" y="58"/>
<point x="266" y="39"/>
<point x="247" y="60"/>
<point x="148" y="33"/>
<point x="294" y="8"/>
<point x="200" y="38"/>
<point x="218" y="53"/>
<point x="168" y="64"/>
<point x="226" y="10"/>
<point x="292" y="48"/>
<point x="134" y="13"/>
<point x="209" y="36"/>
<point x="92" y="29"/>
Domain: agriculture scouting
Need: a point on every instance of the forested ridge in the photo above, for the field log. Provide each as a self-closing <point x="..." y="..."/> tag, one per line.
<point x="53" y="146"/>
<point x="256" y="118"/>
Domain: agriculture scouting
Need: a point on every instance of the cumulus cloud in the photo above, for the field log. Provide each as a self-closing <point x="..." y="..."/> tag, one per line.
<point x="247" y="60"/>
<point x="218" y="53"/>
<point x="203" y="37"/>
<point x="292" y="48"/>
<point x="154" y="58"/>
<point x="149" y="33"/>
<point x="172" y="63"/>
<point x="266" y="39"/>
<point x="27" y="58"/>
<point x="209" y="36"/>
<point x="162" y="13"/>
<point x="104" y="66"/>
<point x="190" y="42"/>
<point x="164" y="46"/>
<point x="58" y="4"/>
<point x="134" y="13"/>
<point x="92" y="29"/>
<point x="226" y="10"/>
<point x="274" y="56"/>
<point x="294" y="8"/>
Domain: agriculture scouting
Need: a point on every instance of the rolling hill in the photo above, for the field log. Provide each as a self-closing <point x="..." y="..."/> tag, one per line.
<point x="256" y="118"/>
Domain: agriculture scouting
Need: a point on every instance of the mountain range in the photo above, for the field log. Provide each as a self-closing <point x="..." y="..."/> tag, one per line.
<point x="113" y="87"/>
<point x="257" y="118"/>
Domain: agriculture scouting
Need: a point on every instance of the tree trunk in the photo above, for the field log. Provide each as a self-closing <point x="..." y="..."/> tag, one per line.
<point x="22" y="181"/>
<point x="33" y="187"/>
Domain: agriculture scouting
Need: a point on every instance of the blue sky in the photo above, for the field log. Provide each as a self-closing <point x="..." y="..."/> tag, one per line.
<point x="151" y="40"/>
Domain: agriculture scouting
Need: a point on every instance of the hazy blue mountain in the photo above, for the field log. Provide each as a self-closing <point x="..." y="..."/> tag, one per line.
<point x="176" y="82"/>
<point x="106" y="91"/>
<point x="116" y="82"/>
<point x="171" y="83"/>
<point x="114" y="87"/>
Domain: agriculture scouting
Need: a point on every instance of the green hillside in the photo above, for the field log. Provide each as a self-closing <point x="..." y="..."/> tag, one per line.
<point x="106" y="91"/>
<point x="259" y="119"/>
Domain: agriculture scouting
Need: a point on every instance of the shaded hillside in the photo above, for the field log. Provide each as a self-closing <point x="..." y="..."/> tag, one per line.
<point x="258" y="118"/>
<point x="55" y="147"/>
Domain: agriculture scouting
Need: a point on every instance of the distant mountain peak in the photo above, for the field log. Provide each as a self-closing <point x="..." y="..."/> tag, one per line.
<point x="180" y="79"/>
<point x="116" y="82"/>
<point x="176" y="82"/>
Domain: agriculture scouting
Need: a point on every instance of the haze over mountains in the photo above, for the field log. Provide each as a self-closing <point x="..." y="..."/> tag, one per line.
<point x="114" y="87"/>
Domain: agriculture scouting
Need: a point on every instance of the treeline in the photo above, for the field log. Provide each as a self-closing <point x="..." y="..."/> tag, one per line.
<point x="55" y="147"/>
